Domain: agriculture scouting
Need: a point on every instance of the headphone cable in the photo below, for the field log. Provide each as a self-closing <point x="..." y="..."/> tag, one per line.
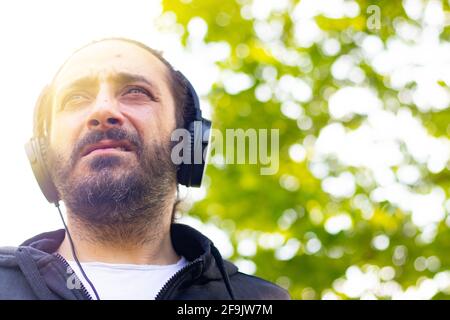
<point x="72" y="247"/>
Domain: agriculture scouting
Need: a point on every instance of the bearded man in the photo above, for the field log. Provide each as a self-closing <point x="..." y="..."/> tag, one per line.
<point x="102" y="145"/>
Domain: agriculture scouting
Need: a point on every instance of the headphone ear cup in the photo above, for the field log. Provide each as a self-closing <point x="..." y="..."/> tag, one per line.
<point x="184" y="169"/>
<point x="191" y="174"/>
<point x="36" y="150"/>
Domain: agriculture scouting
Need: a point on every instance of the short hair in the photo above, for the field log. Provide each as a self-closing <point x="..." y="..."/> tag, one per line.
<point x="184" y="110"/>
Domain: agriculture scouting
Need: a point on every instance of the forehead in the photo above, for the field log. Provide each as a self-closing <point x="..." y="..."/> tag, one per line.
<point x="103" y="59"/>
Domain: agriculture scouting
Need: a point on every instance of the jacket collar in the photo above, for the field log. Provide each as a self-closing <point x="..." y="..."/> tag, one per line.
<point x="187" y="242"/>
<point x="191" y="244"/>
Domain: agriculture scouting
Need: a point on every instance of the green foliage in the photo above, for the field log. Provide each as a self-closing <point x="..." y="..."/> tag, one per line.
<point x="252" y="206"/>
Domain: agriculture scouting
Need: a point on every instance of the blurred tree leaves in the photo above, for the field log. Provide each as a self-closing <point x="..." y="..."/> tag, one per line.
<point x="310" y="260"/>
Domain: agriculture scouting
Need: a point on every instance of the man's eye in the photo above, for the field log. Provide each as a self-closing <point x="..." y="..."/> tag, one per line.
<point x="138" y="91"/>
<point x="74" y="100"/>
<point x="76" y="97"/>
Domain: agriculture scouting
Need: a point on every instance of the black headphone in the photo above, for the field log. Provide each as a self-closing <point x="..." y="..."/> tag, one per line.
<point x="189" y="174"/>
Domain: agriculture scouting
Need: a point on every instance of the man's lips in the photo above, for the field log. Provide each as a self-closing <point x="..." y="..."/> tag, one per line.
<point x="108" y="146"/>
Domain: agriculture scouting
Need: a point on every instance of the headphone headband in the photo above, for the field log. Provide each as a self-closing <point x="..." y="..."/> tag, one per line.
<point x="193" y="95"/>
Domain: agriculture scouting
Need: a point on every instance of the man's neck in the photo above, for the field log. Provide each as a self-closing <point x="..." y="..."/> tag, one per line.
<point x="157" y="249"/>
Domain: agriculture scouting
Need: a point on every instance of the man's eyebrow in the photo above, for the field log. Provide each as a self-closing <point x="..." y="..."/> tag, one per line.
<point x="120" y="78"/>
<point x="80" y="83"/>
<point x="124" y="77"/>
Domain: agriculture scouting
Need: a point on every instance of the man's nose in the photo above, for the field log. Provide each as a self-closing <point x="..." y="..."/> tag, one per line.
<point x="105" y="113"/>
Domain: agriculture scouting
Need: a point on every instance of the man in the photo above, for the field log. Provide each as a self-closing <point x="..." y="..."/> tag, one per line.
<point x="107" y="118"/>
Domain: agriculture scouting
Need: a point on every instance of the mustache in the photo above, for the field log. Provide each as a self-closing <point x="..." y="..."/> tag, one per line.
<point x="112" y="134"/>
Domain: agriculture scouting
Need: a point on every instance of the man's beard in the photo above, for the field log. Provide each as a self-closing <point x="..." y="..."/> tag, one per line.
<point x="111" y="207"/>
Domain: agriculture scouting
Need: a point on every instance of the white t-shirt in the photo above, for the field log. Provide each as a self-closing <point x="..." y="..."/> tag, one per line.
<point x="126" y="281"/>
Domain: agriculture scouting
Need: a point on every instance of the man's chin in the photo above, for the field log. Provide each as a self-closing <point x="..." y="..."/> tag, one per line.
<point x="103" y="184"/>
<point x="109" y="168"/>
<point x="101" y="162"/>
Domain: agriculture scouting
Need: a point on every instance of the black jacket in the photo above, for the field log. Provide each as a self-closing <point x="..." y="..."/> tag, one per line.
<point x="35" y="271"/>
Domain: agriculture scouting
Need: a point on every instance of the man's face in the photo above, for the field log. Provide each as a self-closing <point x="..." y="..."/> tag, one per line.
<point x="113" y="113"/>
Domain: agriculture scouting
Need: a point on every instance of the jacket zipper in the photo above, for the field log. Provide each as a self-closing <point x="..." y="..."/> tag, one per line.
<point x="166" y="287"/>
<point x="67" y="265"/>
<point x="171" y="283"/>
